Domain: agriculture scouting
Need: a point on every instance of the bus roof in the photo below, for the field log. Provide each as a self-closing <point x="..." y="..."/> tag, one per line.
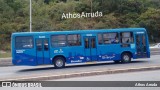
<point x="81" y="31"/>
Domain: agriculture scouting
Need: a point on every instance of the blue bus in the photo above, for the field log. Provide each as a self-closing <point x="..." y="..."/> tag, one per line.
<point x="79" y="46"/>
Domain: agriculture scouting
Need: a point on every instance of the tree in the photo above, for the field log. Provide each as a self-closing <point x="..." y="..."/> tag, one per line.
<point x="151" y="21"/>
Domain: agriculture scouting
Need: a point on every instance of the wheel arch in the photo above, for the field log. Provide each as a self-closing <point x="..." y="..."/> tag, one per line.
<point x="58" y="56"/>
<point x="129" y="52"/>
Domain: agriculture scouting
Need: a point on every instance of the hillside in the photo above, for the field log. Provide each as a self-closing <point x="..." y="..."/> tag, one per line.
<point x="47" y="16"/>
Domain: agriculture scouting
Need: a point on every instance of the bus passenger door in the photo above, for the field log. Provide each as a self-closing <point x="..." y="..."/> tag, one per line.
<point x="141" y="45"/>
<point x="90" y="48"/>
<point x="42" y="51"/>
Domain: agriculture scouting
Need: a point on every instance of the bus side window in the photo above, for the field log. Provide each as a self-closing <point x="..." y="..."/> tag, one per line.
<point x="86" y="43"/>
<point x="46" y="45"/>
<point x="74" y="40"/>
<point x="111" y="38"/>
<point x="93" y="43"/>
<point x="39" y="45"/>
<point x="58" y="40"/>
<point x="24" y="42"/>
<point x="126" y="37"/>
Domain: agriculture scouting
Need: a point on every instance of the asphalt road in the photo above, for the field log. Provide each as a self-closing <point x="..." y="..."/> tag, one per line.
<point x="131" y="76"/>
<point x="13" y="72"/>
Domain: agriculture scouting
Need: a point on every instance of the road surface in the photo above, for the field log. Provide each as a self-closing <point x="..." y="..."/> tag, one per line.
<point x="131" y="76"/>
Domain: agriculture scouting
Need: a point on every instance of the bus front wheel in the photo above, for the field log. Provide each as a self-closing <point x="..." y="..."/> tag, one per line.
<point x="59" y="62"/>
<point x="126" y="58"/>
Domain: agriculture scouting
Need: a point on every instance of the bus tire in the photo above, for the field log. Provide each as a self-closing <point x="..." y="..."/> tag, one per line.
<point x="125" y="58"/>
<point x="59" y="62"/>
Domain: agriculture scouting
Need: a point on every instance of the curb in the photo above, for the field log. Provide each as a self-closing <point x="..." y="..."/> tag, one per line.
<point x="5" y="62"/>
<point x="82" y="74"/>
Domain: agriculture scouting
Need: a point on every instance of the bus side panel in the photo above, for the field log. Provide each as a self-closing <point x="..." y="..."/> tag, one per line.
<point x="24" y="57"/>
<point x="76" y="55"/>
<point x="73" y="54"/>
<point x="113" y="52"/>
<point x="108" y="52"/>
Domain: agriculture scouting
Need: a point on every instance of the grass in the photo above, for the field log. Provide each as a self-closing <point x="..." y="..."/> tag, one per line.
<point x="5" y="55"/>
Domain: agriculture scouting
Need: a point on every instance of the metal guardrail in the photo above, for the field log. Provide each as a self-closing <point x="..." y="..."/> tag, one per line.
<point x="155" y="51"/>
<point x="5" y="62"/>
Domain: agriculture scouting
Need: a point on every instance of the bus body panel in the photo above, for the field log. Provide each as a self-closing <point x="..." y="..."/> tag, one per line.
<point x="90" y="50"/>
<point x="108" y="52"/>
<point x="72" y="55"/>
<point x="23" y="56"/>
<point x="42" y="48"/>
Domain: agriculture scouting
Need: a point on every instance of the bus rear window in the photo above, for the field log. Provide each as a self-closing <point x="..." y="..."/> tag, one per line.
<point x="24" y="42"/>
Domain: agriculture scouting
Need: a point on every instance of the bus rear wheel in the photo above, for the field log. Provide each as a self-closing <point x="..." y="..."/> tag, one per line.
<point x="59" y="62"/>
<point x="126" y="58"/>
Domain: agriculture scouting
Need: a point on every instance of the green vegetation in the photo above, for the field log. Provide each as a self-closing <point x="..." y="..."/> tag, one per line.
<point x="14" y="16"/>
<point x="5" y="55"/>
